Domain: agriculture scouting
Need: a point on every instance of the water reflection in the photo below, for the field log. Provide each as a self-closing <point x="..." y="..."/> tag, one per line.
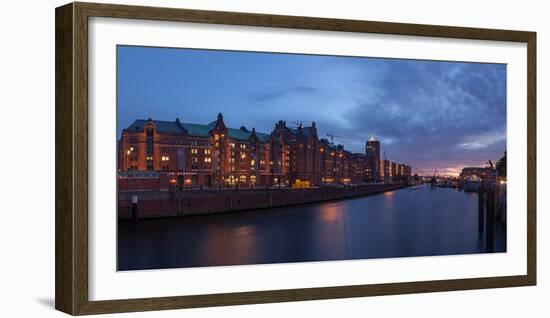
<point x="394" y="224"/>
<point x="331" y="212"/>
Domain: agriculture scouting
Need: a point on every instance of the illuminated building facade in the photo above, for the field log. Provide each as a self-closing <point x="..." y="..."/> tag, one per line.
<point x="372" y="160"/>
<point x="214" y="155"/>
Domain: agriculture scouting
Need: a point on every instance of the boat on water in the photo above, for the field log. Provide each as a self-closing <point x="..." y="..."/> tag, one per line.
<point x="447" y="184"/>
<point x="472" y="178"/>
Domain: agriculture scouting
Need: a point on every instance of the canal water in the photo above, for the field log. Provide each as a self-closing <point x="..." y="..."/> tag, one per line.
<point x="405" y="222"/>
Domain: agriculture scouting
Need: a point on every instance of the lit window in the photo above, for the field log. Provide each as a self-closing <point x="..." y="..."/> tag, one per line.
<point x="207" y="159"/>
<point x="232" y="145"/>
<point x="206" y="151"/>
<point x="194" y="151"/>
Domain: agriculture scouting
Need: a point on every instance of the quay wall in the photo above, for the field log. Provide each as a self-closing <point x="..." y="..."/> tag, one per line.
<point x="156" y="204"/>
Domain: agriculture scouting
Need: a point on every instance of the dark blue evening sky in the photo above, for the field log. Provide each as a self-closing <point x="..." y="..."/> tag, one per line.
<point x="428" y="114"/>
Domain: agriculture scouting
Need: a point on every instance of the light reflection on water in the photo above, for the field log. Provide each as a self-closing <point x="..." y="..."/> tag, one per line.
<point x="398" y="223"/>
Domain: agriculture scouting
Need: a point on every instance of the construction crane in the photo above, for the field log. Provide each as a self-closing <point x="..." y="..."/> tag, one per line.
<point x="331" y="135"/>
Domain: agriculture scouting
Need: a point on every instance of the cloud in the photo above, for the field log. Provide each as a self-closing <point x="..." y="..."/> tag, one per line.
<point x="434" y="113"/>
<point x="273" y="93"/>
<point x="482" y="141"/>
<point x="429" y="114"/>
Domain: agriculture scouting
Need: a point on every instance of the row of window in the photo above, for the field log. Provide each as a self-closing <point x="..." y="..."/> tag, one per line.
<point x="209" y="160"/>
<point x="195" y="151"/>
<point x="242" y="178"/>
<point x="241" y="146"/>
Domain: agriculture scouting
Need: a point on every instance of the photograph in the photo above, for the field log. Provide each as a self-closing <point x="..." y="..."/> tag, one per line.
<point x="229" y="158"/>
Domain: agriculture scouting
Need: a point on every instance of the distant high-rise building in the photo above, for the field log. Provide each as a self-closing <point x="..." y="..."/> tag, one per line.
<point x="372" y="160"/>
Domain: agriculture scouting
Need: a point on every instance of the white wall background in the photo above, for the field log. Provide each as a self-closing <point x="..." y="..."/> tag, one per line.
<point x="27" y="158"/>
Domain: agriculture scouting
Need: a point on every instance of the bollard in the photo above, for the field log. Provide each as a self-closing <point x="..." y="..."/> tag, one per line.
<point x="134" y="208"/>
<point x="480" y="207"/>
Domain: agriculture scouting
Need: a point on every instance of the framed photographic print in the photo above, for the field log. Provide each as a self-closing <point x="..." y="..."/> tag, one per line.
<point x="211" y="158"/>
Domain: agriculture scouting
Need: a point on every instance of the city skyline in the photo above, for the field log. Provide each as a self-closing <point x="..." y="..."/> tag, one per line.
<point x="430" y="115"/>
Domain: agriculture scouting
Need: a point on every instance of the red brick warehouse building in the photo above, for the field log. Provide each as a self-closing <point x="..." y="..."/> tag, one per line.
<point x="214" y="155"/>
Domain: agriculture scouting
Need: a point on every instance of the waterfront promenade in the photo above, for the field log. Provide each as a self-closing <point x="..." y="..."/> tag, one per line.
<point x="155" y="204"/>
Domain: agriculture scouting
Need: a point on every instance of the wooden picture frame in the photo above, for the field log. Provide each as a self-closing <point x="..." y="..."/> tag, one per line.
<point x="71" y="90"/>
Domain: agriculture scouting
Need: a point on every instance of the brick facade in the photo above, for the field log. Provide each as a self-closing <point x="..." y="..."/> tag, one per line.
<point x="214" y="155"/>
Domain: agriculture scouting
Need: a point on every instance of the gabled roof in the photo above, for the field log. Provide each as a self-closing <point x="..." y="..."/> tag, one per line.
<point x="168" y="127"/>
<point x="263" y="137"/>
<point x="238" y="134"/>
<point x="306" y="131"/>
<point x="174" y="127"/>
<point x="198" y="130"/>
